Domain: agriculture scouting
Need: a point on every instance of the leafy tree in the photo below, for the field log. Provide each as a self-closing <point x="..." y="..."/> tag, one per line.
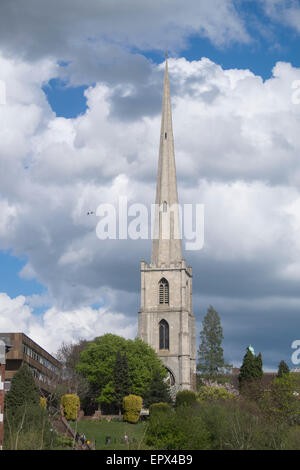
<point x="210" y="352"/>
<point x="282" y="400"/>
<point x="251" y="368"/>
<point x="283" y="368"/>
<point x="107" y="396"/>
<point x="158" y="391"/>
<point x="23" y="389"/>
<point x="122" y="384"/>
<point x="97" y="363"/>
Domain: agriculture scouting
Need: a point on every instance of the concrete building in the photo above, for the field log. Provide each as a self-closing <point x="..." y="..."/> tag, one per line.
<point x="165" y="319"/>
<point x="45" y="368"/>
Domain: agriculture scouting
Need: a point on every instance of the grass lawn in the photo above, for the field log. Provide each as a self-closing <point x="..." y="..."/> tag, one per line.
<point x="99" y="430"/>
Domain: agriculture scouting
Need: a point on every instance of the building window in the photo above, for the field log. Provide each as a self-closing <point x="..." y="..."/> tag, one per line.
<point x="163" y="334"/>
<point x="166" y="135"/>
<point x="163" y="291"/>
<point x="165" y="206"/>
<point x="170" y="379"/>
<point x="37" y="357"/>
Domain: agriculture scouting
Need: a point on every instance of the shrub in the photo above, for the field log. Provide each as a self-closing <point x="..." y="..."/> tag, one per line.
<point x="185" y="397"/>
<point x="70" y="404"/>
<point x="159" y="408"/>
<point x="182" y="429"/>
<point x="240" y="425"/>
<point x="132" y="405"/>
<point x="43" y="403"/>
<point x="213" y="394"/>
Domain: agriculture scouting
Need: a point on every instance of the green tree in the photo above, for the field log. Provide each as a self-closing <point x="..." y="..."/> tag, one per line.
<point x="97" y="363"/>
<point x="283" y="368"/>
<point x="282" y="400"/>
<point x="210" y="353"/>
<point x="23" y="390"/>
<point x="122" y="386"/>
<point x="107" y="396"/>
<point x="259" y="366"/>
<point x="158" y="390"/>
<point x="251" y="368"/>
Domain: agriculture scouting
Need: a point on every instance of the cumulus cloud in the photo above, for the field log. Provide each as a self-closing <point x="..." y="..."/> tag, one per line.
<point x="56" y="326"/>
<point x="237" y="151"/>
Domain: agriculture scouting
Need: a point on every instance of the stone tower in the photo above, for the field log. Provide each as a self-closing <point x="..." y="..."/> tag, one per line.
<point x="166" y="321"/>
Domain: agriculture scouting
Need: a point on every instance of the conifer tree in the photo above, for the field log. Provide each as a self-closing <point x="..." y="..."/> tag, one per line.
<point x="251" y="368"/>
<point x="210" y="352"/>
<point x="122" y="385"/>
<point x="158" y="391"/>
<point x="283" y="368"/>
<point x="23" y="390"/>
<point x="259" y="366"/>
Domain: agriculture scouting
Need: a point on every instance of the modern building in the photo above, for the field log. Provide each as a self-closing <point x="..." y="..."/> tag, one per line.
<point x="46" y="369"/>
<point x="166" y="320"/>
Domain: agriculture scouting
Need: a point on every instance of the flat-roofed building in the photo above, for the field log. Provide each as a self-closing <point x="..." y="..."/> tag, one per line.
<point x="45" y="368"/>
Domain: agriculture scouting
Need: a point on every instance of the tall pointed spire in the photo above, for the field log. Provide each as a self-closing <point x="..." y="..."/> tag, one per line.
<point x="166" y="249"/>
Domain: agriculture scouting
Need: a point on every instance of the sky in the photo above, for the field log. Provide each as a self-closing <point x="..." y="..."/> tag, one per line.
<point x="79" y="126"/>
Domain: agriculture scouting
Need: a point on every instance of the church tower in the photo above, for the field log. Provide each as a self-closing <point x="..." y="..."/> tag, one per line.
<point x="166" y="321"/>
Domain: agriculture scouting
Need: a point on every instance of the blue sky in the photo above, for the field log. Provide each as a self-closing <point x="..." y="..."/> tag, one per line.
<point x="67" y="66"/>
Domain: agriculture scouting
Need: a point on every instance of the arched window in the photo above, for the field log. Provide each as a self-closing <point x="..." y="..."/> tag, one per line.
<point x="163" y="334"/>
<point x="163" y="291"/>
<point x="170" y="379"/>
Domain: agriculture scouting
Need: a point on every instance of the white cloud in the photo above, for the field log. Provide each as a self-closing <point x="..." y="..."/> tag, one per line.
<point x="55" y="326"/>
<point x="237" y="150"/>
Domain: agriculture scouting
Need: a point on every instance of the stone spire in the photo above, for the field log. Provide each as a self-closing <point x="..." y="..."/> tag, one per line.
<point x="166" y="247"/>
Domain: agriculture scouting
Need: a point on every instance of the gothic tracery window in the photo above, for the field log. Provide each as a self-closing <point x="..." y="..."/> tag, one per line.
<point x="163" y="334"/>
<point x="163" y="291"/>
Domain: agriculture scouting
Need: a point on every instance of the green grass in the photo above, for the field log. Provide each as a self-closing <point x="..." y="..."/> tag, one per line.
<point x="99" y="430"/>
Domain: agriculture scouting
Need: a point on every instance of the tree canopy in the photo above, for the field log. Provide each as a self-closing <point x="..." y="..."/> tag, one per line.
<point x="97" y="363"/>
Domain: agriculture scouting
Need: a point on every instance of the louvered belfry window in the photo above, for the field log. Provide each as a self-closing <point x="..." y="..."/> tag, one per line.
<point x="163" y="291"/>
<point x="163" y="334"/>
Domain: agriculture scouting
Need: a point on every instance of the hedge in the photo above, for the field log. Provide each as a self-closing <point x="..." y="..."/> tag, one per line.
<point x="156" y="408"/>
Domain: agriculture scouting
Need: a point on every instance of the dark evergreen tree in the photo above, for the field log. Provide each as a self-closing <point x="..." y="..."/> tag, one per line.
<point x="259" y="366"/>
<point x="122" y="384"/>
<point x="210" y="352"/>
<point x="23" y="390"/>
<point x="251" y="368"/>
<point x="158" y="391"/>
<point x="283" y="368"/>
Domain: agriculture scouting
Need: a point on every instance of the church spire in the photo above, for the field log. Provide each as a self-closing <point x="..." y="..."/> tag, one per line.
<point x="166" y="248"/>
